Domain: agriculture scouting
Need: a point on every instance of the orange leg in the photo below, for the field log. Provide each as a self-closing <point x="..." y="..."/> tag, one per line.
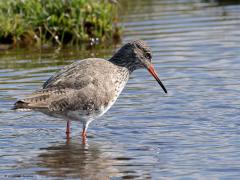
<point x="84" y="133"/>
<point x="68" y="129"/>
<point x="84" y="136"/>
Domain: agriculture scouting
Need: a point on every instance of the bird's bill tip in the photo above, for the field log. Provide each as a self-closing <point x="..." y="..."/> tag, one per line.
<point x="154" y="74"/>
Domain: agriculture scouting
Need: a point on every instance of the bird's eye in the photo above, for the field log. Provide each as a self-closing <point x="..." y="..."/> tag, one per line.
<point x="148" y="56"/>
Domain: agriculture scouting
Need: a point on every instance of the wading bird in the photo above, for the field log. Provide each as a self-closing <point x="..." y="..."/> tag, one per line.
<point x="86" y="89"/>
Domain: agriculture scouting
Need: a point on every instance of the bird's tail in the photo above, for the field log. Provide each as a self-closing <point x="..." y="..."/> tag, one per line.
<point x="20" y="105"/>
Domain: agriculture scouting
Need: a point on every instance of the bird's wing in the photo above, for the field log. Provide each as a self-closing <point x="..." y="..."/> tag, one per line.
<point x="76" y="75"/>
<point x="81" y="100"/>
<point x="62" y="100"/>
<point x="77" y="86"/>
<point x="43" y="98"/>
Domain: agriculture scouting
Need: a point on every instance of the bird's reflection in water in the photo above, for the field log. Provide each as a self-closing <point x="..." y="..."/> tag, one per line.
<point x="76" y="160"/>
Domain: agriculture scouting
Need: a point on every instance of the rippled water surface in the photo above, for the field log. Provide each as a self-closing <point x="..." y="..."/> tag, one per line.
<point x="193" y="132"/>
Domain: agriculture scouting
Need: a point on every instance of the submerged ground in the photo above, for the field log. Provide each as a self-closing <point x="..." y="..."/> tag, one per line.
<point x="193" y="132"/>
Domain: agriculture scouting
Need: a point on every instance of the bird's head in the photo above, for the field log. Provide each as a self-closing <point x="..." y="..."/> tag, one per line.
<point x="136" y="55"/>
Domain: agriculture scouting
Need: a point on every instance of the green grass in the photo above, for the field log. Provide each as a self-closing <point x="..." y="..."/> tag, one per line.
<point x="56" y="22"/>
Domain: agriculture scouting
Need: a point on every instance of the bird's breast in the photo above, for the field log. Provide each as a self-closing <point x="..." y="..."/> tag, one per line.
<point x="119" y="85"/>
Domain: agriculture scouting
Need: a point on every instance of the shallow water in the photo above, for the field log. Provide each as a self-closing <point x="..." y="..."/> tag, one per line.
<point x="193" y="132"/>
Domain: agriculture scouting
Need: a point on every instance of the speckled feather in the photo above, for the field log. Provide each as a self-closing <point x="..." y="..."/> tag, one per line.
<point x="80" y="86"/>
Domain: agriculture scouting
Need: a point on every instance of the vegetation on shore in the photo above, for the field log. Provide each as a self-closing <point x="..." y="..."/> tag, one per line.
<point x="58" y="22"/>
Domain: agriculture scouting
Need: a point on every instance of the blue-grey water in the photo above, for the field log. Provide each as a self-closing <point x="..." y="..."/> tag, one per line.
<point x="193" y="132"/>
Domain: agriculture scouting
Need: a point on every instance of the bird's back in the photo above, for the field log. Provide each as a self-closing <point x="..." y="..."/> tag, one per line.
<point x="80" y="73"/>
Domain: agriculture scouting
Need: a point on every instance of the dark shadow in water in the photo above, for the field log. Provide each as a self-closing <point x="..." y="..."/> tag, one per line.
<point x="76" y="160"/>
<point x="224" y="2"/>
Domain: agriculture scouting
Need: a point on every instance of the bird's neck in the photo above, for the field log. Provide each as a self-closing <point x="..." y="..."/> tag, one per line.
<point x="123" y="61"/>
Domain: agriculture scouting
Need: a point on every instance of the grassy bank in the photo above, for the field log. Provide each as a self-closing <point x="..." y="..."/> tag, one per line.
<point x="58" y="22"/>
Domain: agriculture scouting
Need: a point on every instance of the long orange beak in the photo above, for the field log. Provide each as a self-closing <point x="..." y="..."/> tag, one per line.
<point x="154" y="74"/>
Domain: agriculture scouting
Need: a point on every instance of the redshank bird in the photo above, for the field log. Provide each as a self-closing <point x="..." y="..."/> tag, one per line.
<point x="86" y="89"/>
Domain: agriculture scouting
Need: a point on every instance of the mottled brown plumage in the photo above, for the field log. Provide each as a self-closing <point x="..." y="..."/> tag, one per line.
<point x="87" y="88"/>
